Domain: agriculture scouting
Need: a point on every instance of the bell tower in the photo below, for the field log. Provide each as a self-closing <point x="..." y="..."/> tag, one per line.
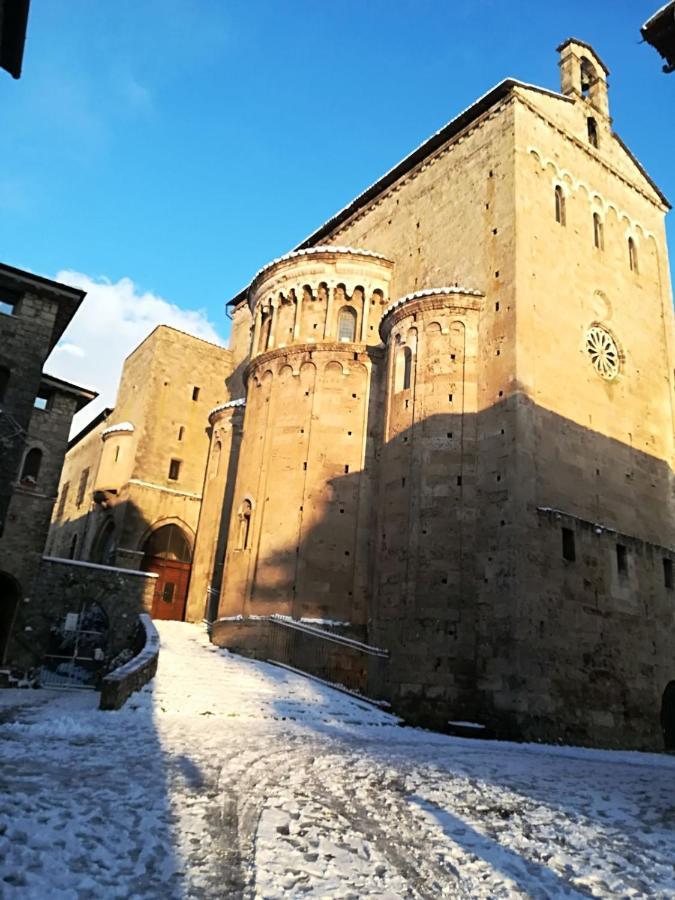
<point x="583" y="75"/>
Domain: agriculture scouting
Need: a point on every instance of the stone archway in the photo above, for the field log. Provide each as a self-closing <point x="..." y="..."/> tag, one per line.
<point x="668" y="716"/>
<point x="10" y="594"/>
<point x="167" y="553"/>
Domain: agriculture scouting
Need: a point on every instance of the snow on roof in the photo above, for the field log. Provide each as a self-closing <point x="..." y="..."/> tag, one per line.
<point x="659" y="12"/>
<point x="240" y="401"/>
<point x="310" y="251"/>
<point x="120" y="427"/>
<point x="430" y="292"/>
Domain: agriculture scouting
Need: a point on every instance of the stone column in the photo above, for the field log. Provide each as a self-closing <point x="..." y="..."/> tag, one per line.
<point x="327" y="330"/>
<point x="275" y="322"/>
<point x="367" y="291"/>
<point x="299" y="293"/>
<point x="257" y="320"/>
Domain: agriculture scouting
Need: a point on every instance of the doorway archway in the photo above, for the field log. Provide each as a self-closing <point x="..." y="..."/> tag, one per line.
<point x="10" y="594"/>
<point x="167" y="553"/>
<point x="668" y="716"/>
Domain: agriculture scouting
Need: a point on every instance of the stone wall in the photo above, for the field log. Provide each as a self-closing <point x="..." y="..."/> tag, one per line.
<point x="64" y="586"/>
<point x="119" y="684"/>
<point x="319" y="652"/>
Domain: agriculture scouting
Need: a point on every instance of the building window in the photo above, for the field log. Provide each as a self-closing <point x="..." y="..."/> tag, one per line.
<point x="598" y="232"/>
<point x="560" y="216"/>
<point x="603" y="352"/>
<point x="174" y="469"/>
<point x="73" y="547"/>
<point x="195" y="393"/>
<point x="632" y="255"/>
<point x="347" y="324"/>
<point x="568" y="548"/>
<point x="592" y="126"/>
<point x="82" y="487"/>
<point x="215" y="459"/>
<point x="668" y="572"/>
<point x="62" y="500"/>
<point x="245" y="512"/>
<point x="181" y="432"/>
<point x="43" y="400"/>
<point x="4" y="381"/>
<point x="8" y="301"/>
<point x="117" y="453"/>
<point x="265" y="332"/>
<point x="622" y="559"/>
<point x="407" y="367"/>
<point x="31" y="467"/>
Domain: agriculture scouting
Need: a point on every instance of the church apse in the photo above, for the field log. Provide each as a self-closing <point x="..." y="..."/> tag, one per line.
<point x="311" y="385"/>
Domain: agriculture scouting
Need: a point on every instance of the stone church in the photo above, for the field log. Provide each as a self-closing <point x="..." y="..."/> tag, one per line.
<point x="442" y="436"/>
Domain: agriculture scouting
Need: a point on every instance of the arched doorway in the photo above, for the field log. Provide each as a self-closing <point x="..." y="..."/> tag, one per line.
<point x="104" y="548"/>
<point x="668" y="716"/>
<point x="9" y="600"/>
<point x="167" y="553"/>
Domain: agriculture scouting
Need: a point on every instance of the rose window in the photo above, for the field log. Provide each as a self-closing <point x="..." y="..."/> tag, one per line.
<point x="603" y="352"/>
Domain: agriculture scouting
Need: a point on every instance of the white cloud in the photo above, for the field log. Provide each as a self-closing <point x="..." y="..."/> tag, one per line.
<point x="111" y="321"/>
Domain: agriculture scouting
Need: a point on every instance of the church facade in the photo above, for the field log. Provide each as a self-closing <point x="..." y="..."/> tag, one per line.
<point x="448" y="428"/>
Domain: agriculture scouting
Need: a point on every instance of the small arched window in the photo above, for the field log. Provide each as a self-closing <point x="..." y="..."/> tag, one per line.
<point x="632" y="255"/>
<point x="592" y="127"/>
<point x="598" y="232"/>
<point x="245" y="511"/>
<point x="265" y="332"/>
<point x="31" y="467"/>
<point x="347" y="324"/>
<point x="215" y="460"/>
<point x="4" y="381"/>
<point x="560" y="205"/>
<point x="407" y="367"/>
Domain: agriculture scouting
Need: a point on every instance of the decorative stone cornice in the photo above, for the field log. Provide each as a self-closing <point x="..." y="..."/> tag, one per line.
<point x="223" y="407"/>
<point x="119" y="428"/>
<point x="313" y="251"/>
<point x="433" y="298"/>
<point x="363" y="353"/>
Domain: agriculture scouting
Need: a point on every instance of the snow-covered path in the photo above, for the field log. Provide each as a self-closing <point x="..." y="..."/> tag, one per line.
<point x="230" y="778"/>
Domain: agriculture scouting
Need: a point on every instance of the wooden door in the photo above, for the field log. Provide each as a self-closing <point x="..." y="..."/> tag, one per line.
<point x="170" y="588"/>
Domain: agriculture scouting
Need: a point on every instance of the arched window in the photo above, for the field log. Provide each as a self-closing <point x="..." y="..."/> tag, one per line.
<point x="215" y="460"/>
<point x="592" y="127"/>
<point x="4" y="381"/>
<point x="598" y="232"/>
<point x="347" y="324"/>
<point x="407" y="367"/>
<point x="245" y="511"/>
<point x="103" y="550"/>
<point x="403" y="373"/>
<point x="560" y="205"/>
<point x="265" y="332"/>
<point x="632" y="255"/>
<point x="31" y="467"/>
<point x="168" y="542"/>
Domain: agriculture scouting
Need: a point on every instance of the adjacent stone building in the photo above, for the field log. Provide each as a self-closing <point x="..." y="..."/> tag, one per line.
<point x="447" y="432"/>
<point x="131" y="488"/>
<point x="36" y="411"/>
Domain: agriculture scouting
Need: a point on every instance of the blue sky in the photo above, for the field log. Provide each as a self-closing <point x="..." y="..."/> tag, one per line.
<point x="181" y="144"/>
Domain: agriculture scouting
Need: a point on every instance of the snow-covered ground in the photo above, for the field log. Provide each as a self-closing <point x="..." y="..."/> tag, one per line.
<point x="230" y="778"/>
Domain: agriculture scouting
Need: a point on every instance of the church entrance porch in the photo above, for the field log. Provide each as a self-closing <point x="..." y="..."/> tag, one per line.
<point x="167" y="553"/>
